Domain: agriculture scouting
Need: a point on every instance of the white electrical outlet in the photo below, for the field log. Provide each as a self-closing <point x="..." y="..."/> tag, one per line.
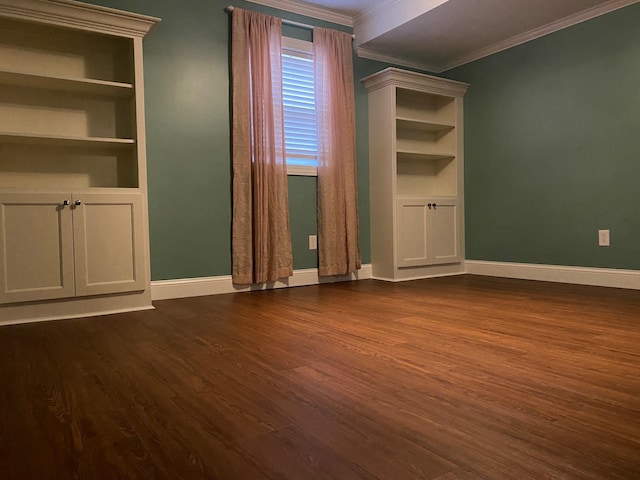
<point x="313" y="242"/>
<point x="603" y="238"/>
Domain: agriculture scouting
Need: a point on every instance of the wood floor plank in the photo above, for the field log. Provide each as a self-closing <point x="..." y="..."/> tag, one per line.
<point x="293" y="453"/>
<point x="456" y="378"/>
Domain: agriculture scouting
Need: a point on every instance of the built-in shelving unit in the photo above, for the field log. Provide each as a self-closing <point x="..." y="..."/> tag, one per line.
<point x="73" y="198"/>
<point x="68" y="97"/>
<point x="416" y="174"/>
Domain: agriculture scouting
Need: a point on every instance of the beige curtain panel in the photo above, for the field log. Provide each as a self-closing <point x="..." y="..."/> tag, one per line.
<point x="338" y="247"/>
<point x="261" y="239"/>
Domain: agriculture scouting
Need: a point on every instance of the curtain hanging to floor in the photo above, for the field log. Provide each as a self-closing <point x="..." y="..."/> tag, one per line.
<point x="338" y="248"/>
<point x="261" y="240"/>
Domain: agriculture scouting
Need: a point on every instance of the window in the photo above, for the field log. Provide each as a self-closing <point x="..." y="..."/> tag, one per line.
<point x="301" y="141"/>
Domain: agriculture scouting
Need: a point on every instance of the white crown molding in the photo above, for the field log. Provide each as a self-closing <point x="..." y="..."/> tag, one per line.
<point x="374" y="10"/>
<point x="197" y="287"/>
<point x="552" y="27"/>
<point x="69" y="13"/>
<point x="602" y="277"/>
<point x="414" y="81"/>
<point x="403" y="62"/>
<point x="307" y="10"/>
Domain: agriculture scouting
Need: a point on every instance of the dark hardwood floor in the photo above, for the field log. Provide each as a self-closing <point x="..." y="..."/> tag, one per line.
<point x="458" y="378"/>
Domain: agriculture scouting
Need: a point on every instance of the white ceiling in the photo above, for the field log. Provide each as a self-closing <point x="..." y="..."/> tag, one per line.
<point x="437" y="35"/>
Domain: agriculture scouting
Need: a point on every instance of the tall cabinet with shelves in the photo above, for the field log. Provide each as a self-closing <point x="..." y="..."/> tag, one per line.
<point x="416" y="174"/>
<point x="73" y="198"/>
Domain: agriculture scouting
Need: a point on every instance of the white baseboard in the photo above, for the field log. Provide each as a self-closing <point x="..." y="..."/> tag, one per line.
<point x="197" y="287"/>
<point x="50" y="318"/>
<point x="603" y="277"/>
<point x="421" y="277"/>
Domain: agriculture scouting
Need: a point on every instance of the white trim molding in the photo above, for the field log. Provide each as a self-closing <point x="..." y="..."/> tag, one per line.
<point x="414" y="81"/>
<point x="420" y="277"/>
<point x="51" y="318"/>
<point x="308" y="10"/>
<point x="302" y="170"/>
<point x="602" y="277"/>
<point x="70" y="13"/>
<point x="197" y="287"/>
<point x="376" y="9"/>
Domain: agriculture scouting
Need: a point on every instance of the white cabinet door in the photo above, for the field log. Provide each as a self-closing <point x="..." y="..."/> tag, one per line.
<point x="108" y="239"/>
<point x="412" y="241"/>
<point x="36" y="247"/>
<point x="444" y="231"/>
<point x="428" y="231"/>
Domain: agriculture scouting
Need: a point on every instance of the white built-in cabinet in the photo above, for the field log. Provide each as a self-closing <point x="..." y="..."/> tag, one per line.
<point x="73" y="195"/>
<point x="428" y="230"/>
<point x="63" y="245"/>
<point x="415" y="174"/>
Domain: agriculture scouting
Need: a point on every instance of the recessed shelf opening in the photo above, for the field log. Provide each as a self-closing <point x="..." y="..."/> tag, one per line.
<point x="36" y="111"/>
<point x="419" y="177"/>
<point x="45" y="167"/>
<point x="59" y="52"/>
<point x="425" y="107"/>
<point x="429" y="141"/>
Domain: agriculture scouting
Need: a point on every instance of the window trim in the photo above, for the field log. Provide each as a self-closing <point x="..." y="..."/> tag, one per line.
<point x="302" y="170"/>
<point x="302" y="46"/>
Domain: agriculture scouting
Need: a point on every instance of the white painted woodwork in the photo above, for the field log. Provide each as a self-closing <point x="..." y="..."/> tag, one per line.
<point x="602" y="277"/>
<point x="413" y="230"/>
<point x="108" y="239"/>
<point x="30" y="165"/>
<point x="36" y="247"/>
<point x="51" y="250"/>
<point x="72" y="121"/>
<point x="80" y="16"/>
<point x="428" y="231"/>
<point x="64" y="140"/>
<point x="444" y="231"/>
<point x="64" y="84"/>
<point x="415" y="174"/>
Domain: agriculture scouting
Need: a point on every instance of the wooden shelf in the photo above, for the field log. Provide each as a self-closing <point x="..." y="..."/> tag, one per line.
<point x="63" y="141"/>
<point x="61" y="84"/>
<point x="417" y="155"/>
<point x="408" y="123"/>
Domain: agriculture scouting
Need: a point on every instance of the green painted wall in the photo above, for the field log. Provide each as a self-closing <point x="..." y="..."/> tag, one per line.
<point x="552" y="144"/>
<point x="552" y="147"/>
<point x="189" y="166"/>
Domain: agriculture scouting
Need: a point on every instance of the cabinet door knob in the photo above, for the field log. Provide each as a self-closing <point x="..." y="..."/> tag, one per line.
<point x="434" y="205"/>
<point x="66" y="203"/>
<point x="78" y="202"/>
<point x="429" y="205"/>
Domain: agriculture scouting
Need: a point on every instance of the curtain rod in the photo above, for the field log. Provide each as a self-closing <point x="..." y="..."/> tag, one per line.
<point x="291" y="23"/>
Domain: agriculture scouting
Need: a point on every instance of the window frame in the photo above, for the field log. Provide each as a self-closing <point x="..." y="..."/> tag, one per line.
<point x="301" y="46"/>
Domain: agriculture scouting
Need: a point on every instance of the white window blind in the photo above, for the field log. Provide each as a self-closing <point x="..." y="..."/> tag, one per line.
<point x="301" y="141"/>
